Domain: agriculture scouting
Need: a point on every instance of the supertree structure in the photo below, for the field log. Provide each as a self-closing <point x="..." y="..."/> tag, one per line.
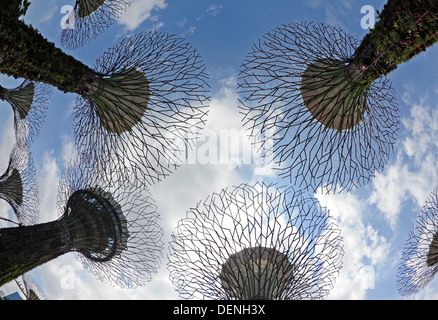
<point x="113" y="229"/>
<point x="89" y="19"/>
<point x="419" y="261"/>
<point x="19" y="186"/>
<point x="255" y="242"/>
<point x="318" y="103"/>
<point x="30" y="289"/>
<point x="140" y="106"/>
<point x="174" y="106"/>
<point x="29" y="102"/>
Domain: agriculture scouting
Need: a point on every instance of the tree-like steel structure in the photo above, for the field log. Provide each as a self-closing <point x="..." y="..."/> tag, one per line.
<point x="306" y="113"/>
<point x="256" y="242"/>
<point x="317" y="102"/>
<point x="140" y="107"/>
<point x="419" y="261"/>
<point x="30" y="289"/>
<point x="149" y="136"/>
<point x="113" y="228"/>
<point x="19" y="186"/>
<point x="89" y="19"/>
<point x="29" y="102"/>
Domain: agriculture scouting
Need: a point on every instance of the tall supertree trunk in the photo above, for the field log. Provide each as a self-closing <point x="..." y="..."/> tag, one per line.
<point x="255" y="242"/>
<point x="405" y="29"/>
<point x="319" y="104"/>
<point x="137" y="109"/>
<point x="111" y="227"/>
<point x="24" y="248"/>
<point x="93" y="224"/>
<point x="25" y="53"/>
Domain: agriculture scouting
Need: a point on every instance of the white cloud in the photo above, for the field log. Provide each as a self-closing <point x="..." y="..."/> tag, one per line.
<point x="7" y="137"/>
<point x="69" y="151"/>
<point x="364" y="247"/>
<point x="173" y="196"/>
<point x="214" y="9"/>
<point x="413" y="174"/>
<point x="48" y="179"/>
<point x="140" y="11"/>
<point x="6" y="144"/>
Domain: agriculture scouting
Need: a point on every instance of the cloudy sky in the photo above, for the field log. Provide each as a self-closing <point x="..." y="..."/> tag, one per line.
<point x="375" y="219"/>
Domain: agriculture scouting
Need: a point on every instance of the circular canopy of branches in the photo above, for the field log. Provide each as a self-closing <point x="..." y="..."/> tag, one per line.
<point x="308" y="112"/>
<point x="19" y="186"/>
<point x="29" y="102"/>
<point x="418" y="264"/>
<point x="255" y="242"/>
<point x="146" y="108"/>
<point x="138" y="251"/>
<point x="89" y="19"/>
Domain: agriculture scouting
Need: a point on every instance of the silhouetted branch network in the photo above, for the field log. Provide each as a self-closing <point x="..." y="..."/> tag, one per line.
<point x="19" y="186"/>
<point x="29" y="102"/>
<point x="255" y="242"/>
<point x="160" y="107"/>
<point x="132" y="258"/>
<point x="89" y="19"/>
<point x="31" y="290"/>
<point x="418" y="264"/>
<point x="113" y="228"/>
<point x="138" y="110"/>
<point x="308" y="113"/>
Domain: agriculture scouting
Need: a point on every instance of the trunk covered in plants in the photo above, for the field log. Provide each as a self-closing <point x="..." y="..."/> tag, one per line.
<point x="405" y="29"/>
<point x="26" y="247"/>
<point x="25" y="53"/>
<point x="120" y="99"/>
<point x="92" y="224"/>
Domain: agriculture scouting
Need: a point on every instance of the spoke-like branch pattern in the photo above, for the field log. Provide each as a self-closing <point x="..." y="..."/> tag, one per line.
<point x="89" y="19"/>
<point x="308" y="112"/>
<point x="418" y="265"/>
<point x="256" y="242"/>
<point x="29" y="102"/>
<point x="112" y="228"/>
<point x="19" y="186"/>
<point x="145" y="109"/>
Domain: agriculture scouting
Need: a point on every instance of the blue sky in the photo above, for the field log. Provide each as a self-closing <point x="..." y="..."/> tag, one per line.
<point x="375" y="219"/>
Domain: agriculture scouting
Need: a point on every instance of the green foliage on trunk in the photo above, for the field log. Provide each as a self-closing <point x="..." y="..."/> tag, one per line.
<point x="25" y="53"/>
<point x="405" y="29"/>
<point x="27" y="247"/>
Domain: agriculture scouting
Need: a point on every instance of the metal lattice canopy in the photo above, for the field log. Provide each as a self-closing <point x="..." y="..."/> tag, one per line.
<point x="31" y="290"/>
<point x="145" y="109"/>
<point x="138" y="110"/>
<point x="308" y="111"/>
<point x="418" y="265"/>
<point x="130" y="257"/>
<point x="113" y="228"/>
<point x="89" y="19"/>
<point x="19" y="186"/>
<point x="29" y="102"/>
<point x="255" y="242"/>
